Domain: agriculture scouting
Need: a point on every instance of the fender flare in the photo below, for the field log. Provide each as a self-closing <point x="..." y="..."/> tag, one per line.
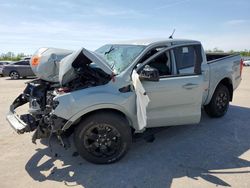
<point x="220" y="81"/>
<point x="106" y="106"/>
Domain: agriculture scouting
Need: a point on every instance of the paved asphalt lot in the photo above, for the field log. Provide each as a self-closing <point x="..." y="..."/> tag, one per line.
<point x="214" y="153"/>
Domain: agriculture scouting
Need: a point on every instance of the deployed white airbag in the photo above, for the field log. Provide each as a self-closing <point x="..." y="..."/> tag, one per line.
<point x="142" y="101"/>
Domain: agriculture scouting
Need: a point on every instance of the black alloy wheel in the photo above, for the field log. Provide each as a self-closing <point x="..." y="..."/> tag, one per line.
<point x="219" y="103"/>
<point x="103" y="137"/>
<point x="102" y="140"/>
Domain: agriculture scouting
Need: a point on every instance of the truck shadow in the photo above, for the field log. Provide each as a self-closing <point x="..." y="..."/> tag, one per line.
<point x="203" y="151"/>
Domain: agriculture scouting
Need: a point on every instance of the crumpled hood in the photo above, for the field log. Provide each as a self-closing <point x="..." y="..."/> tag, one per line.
<point x="67" y="64"/>
<point x="57" y="65"/>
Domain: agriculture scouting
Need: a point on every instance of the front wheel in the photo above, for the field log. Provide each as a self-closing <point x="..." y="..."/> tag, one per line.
<point x="103" y="137"/>
<point x="219" y="103"/>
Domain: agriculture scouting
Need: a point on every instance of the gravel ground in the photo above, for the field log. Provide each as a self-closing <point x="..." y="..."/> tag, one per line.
<point x="213" y="153"/>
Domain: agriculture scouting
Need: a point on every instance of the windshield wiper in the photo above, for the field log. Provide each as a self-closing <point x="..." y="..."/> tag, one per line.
<point x="110" y="50"/>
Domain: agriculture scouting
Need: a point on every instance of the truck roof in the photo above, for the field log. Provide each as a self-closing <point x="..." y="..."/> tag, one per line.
<point x="147" y="42"/>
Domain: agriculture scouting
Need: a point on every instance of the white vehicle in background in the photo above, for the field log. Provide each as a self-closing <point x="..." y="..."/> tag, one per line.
<point x="246" y="62"/>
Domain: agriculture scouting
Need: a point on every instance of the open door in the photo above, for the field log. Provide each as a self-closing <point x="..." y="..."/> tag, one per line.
<point x="175" y="99"/>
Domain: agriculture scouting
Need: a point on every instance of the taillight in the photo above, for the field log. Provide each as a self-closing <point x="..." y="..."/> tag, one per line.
<point x="241" y="66"/>
<point x="63" y="90"/>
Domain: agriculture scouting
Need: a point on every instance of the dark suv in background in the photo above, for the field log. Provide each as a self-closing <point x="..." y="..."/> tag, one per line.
<point x="18" y="69"/>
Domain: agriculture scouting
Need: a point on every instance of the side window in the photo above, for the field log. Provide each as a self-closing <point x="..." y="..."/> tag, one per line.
<point x="162" y="63"/>
<point x="26" y="63"/>
<point x="187" y="57"/>
<point x="151" y="53"/>
<point x="18" y="63"/>
<point x="22" y="63"/>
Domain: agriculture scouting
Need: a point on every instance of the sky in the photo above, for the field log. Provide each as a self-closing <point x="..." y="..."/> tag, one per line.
<point x="26" y="25"/>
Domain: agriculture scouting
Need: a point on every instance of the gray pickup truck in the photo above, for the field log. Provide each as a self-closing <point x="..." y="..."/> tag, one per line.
<point x="93" y="94"/>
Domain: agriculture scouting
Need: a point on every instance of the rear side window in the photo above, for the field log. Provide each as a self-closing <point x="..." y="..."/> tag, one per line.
<point x="26" y="63"/>
<point x="188" y="56"/>
<point x="22" y="63"/>
<point x="19" y="63"/>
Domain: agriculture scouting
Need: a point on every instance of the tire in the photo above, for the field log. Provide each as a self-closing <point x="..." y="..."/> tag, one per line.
<point x="103" y="138"/>
<point x="219" y="103"/>
<point x="14" y="75"/>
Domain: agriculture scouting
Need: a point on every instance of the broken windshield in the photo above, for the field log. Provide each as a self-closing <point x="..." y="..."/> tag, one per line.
<point x="119" y="56"/>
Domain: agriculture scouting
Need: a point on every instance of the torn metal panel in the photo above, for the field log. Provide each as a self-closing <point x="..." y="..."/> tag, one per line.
<point x="78" y="59"/>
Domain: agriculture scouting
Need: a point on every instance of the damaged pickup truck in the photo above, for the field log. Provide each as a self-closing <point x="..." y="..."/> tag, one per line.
<point x="106" y="96"/>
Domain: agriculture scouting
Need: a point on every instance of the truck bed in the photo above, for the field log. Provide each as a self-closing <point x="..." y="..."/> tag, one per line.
<point x="222" y="66"/>
<point x="213" y="57"/>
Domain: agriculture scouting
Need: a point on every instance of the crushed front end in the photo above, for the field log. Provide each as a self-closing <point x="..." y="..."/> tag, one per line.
<point x="59" y="71"/>
<point x="40" y="119"/>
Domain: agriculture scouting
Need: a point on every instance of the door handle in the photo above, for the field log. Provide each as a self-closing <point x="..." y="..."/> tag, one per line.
<point x="190" y="86"/>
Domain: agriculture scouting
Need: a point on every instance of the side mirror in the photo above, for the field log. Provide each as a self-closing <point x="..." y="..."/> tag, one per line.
<point x="138" y="65"/>
<point x="149" y="74"/>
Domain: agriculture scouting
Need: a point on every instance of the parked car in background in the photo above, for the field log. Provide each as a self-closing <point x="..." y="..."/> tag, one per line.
<point x="2" y="63"/>
<point x="246" y="62"/>
<point x="18" y="69"/>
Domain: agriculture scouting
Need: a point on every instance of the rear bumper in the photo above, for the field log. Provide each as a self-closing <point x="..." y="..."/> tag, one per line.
<point x="5" y="72"/>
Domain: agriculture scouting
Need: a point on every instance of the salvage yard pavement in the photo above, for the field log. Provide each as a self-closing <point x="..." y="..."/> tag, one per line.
<point x="215" y="152"/>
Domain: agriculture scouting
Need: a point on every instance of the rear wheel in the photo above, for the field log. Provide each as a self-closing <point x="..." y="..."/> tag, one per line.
<point x="14" y="75"/>
<point x="219" y="103"/>
<point x="103" y="138"/>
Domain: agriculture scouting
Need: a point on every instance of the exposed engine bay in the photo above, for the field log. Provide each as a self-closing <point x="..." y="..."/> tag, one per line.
<point x="40" y="93"/>
<point x="87" y="74"/>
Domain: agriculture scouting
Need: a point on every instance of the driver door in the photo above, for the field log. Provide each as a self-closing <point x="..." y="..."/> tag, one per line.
<point x="176" y="98"/>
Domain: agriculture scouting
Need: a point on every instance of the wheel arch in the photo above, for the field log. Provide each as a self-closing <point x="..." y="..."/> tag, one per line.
<point x="13" y="70"/>
<point x="228" y="83"/>
<point x="212" y="108"/>
<point x="110" y="142"/>
<point x="73" y="122"/>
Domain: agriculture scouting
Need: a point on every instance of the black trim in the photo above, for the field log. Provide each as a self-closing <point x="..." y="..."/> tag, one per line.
<point x="162" y="51"/>
<point x="179" y="75"/>
<point x="197" y="59"/>
<point x="215" y="60"/>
